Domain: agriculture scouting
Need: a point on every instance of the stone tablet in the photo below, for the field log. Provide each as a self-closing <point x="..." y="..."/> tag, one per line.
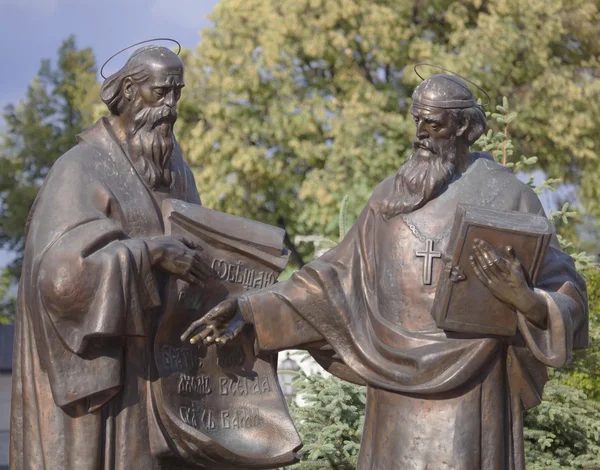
<point x="224" y="398"/>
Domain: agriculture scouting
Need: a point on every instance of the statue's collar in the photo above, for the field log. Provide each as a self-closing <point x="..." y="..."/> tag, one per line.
<point x="97" y="135"/>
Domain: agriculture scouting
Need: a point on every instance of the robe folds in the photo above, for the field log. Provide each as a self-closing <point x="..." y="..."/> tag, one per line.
<point x="435" y="399"/>
<point x="87" y="305"/>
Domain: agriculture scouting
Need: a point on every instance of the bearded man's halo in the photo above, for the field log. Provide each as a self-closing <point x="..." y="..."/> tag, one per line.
<point x="425" y="64"/>
<point x="137" y="44"/>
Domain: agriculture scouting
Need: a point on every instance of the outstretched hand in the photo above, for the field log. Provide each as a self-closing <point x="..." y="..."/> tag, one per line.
<point x="221" y="324"/>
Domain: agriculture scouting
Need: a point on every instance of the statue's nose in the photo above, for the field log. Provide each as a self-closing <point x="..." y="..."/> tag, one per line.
<point x="421" y="130"/>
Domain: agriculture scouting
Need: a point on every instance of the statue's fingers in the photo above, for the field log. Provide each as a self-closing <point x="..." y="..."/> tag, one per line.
<point x="201" y="267"/>
<point x="483" y="244"/>
<point x="486" y="252"/>
<point x="215" y="337"/>
<point x="193" y="327"/>
<point x="199" y="273"/>
<point x="189" y="243"/>
<point x="229" y="334"/>
<point x="220" y="311"/>
<point x="203" y="335"/>
<point x="234" y="329"/>
<point x="480" y="261"/>
<point x="512" y="256"/>
<point x="477" y="270"/>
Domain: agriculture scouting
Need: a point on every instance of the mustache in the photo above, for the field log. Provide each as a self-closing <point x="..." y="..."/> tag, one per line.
<point x="424" y="144"/>
<point x="153" y="117"/>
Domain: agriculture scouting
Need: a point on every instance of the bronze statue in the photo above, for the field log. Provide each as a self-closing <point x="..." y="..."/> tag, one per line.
<point x="436" y="398"/>
<point x="102" y="279"/>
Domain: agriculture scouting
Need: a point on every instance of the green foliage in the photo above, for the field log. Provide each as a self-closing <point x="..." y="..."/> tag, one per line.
<point x="563" y="432"/>
<point x="500" y="145"/>
<point x="58" y="105"/>
<point x="330" y="421"/>
<point x="291" y="102"/>
<point x="584" y="372"/>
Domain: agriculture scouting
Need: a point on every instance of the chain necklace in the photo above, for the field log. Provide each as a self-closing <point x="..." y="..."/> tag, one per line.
<point x="428" y="254"/>
<point x="415" y="231"/>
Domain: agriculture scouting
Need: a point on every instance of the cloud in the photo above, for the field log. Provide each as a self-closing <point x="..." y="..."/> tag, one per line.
<point x="183" y="13"/>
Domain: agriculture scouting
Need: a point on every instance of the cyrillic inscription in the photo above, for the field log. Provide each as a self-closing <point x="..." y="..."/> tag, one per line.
<point x="197" y="385"/>
<point x="244" y="386"/>
<point x="197" y="418"/>
<point x="242" y="418"/>
<point x="238" y="274"/>
<point x="180" y="358"/>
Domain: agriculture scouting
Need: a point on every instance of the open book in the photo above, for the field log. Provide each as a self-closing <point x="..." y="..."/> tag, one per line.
<point x="221" y="405"/>
<point x="464" y="304"/>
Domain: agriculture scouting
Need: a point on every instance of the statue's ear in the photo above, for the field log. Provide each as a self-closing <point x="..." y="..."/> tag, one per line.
<point x="128" y="91"/>
<point x="463" y="124"/>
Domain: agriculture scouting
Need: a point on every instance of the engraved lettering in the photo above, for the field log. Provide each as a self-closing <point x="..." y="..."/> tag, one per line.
<point x="237" y="273"/>
<point x="180" y="358"/>
<point x="208" y="420"/>
<point x="217" y="265"/>
<point x="225" y="419"/>
<point x="188" y="416"/>
<point x="231" y="272"/>
<point x="242" y="418"/>
<point x="189" y="384"/>
<point x="224" y="385"/>
<point x="258" y="280"/>
<point x="266" y="387"/>
<point x="239" y="277"/>
<point x="249" y="280"/>
<point x="241" y="386"/>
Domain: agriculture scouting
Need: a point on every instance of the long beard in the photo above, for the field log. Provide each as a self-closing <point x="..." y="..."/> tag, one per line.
<point x="150" y="144"/>
<point x="418" y="181"/>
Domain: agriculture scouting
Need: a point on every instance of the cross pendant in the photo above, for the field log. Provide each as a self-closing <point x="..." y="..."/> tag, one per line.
<point x="428" y="254"/>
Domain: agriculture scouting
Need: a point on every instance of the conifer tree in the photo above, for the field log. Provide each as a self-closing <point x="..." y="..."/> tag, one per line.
<point x="38" y="129"/>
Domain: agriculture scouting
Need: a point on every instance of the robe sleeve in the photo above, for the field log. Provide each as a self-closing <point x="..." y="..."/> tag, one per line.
<point x="311" y="293"/>
<point x="89" y="284"/>
<point x="565" y="293"/>
<point x="94" y="282"/>
<point x="276" y="323"/>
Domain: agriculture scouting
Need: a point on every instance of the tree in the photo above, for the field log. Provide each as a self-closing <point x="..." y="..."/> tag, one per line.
<point x="58" y="105"/>
<point x="292" y="103"/>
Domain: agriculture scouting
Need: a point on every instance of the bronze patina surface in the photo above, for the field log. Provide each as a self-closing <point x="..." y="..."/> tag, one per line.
<point x="113" y="272"/>
<point x="436" y="398"/>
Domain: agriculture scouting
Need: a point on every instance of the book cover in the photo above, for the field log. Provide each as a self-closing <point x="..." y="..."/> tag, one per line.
<point x="462" y="302"/>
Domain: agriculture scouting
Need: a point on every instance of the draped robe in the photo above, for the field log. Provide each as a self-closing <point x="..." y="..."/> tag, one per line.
<point x="87" y="304"/>
<point x="435" y="399"/>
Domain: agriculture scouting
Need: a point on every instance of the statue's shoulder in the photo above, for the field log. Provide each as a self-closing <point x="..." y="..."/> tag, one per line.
<point x="81" y="159"/>
<point x="525" y="196"/>
<point x="78" y="158"/>
<point x="384" y="189"/>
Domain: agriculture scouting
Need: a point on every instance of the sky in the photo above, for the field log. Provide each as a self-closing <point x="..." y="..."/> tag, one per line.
<point x="31" y="30"/>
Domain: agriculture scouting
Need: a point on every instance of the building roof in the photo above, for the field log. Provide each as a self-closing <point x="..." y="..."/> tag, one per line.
<point x="7" y="333"/>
